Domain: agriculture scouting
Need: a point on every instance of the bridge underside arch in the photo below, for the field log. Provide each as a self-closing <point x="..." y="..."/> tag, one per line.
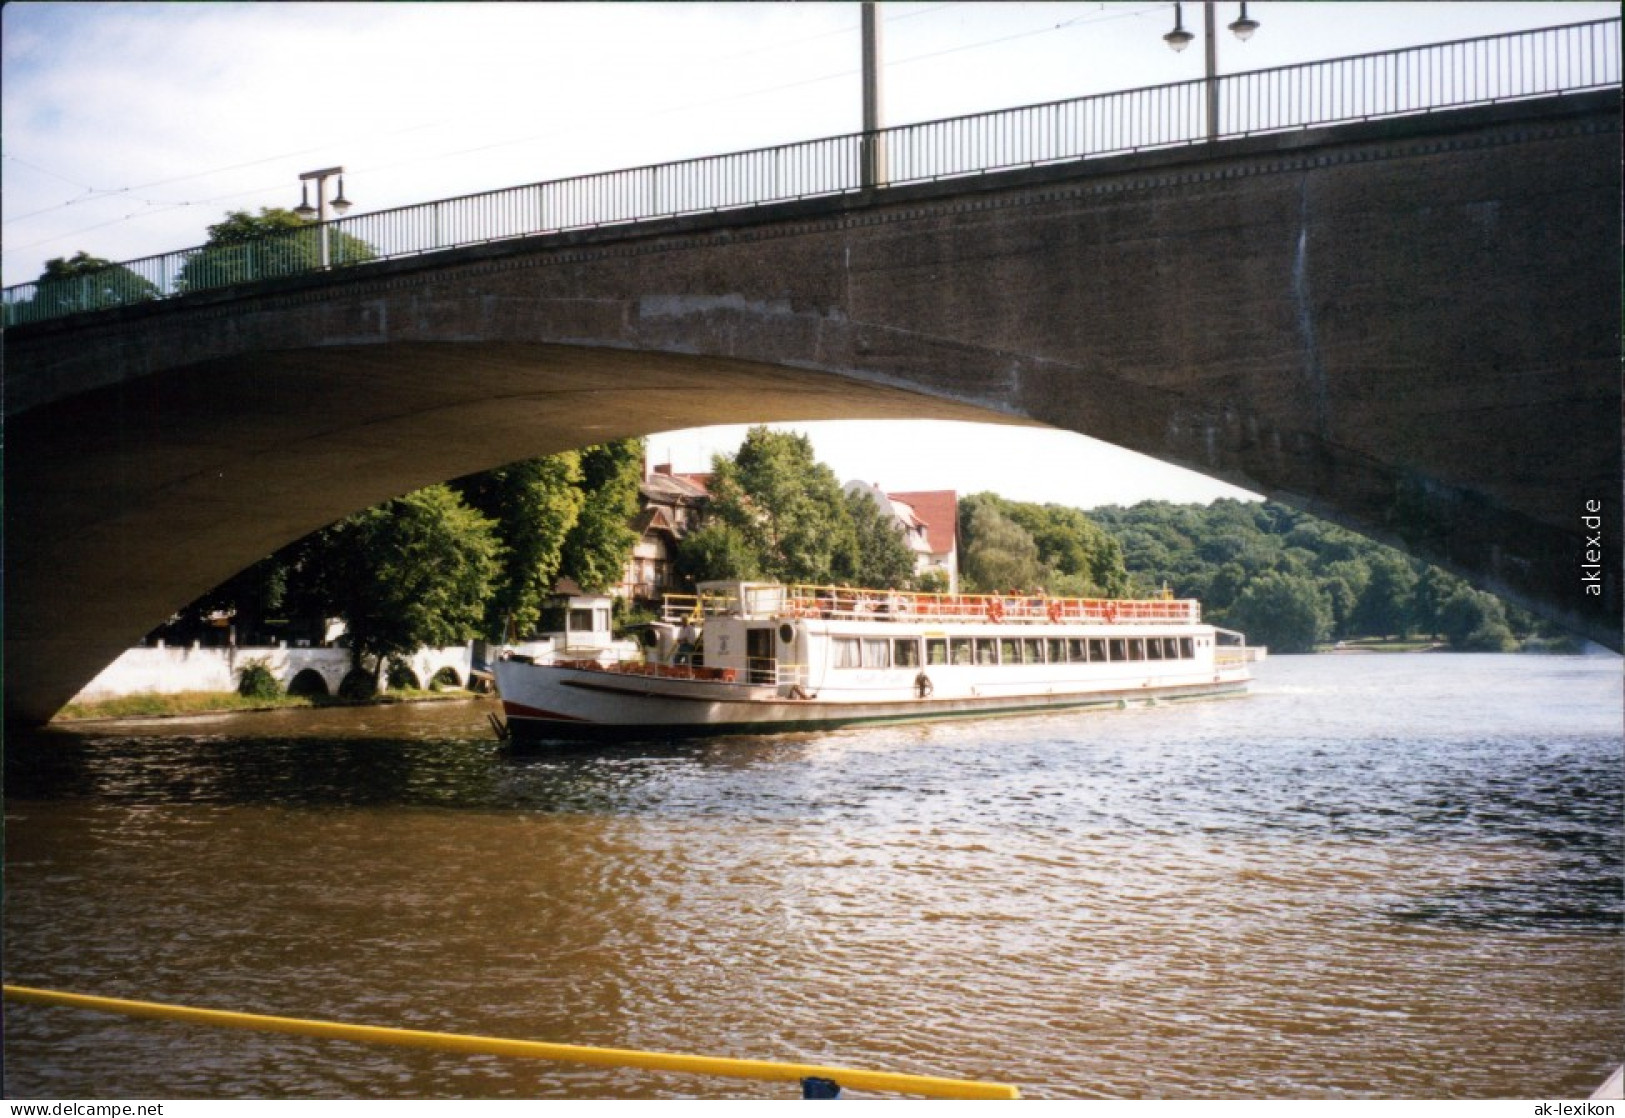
<point x="142" y="495"/>
<point x="1410" y="328"/>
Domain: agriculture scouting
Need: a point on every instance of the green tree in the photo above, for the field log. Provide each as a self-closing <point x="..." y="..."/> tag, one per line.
<point x="998" y="554"/>
<point x="1433" y="588"/>
<point x="251" y="596"/>
<point x="1386" y="606"/>
<point x="596" y="550"/>
<point x="786" y="505"/>
<point x="86" y="283"/>
<point x="881" y="557"/>
<point x="1473" y="621"/>
<point x="275" y="242"/>
<point x="1344" y="581"/>
<point x="534" y="505"/>
<point x="716" y="550"/>
<point x="1285" y="612"/>
<point x="411" y="572"/>
<point x="1079" y="557"/>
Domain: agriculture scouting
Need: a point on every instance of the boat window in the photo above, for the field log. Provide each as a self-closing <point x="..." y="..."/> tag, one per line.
<point x="846" y="652"/>
<point x="1076" y="650"/>
<point x="1057" y="650"/>
<point x="1009" y="650"/>
<point x="876" y="653"/>
<point x="1185" y="649"/>
<point x="1097" y="649"/>
<point x="986" y="651"/>
<point x="963" y="651"/>
<point x="1119" y="648"/>
<point x="905" y="653"/>
<point x="1170" y="648"/>
<point x="581" y="621"/>
<point x="1033" y="650"/>
<point x="1153" y="648"/>
<point x="936" y="650"/>
<point x="1136" y="649"/>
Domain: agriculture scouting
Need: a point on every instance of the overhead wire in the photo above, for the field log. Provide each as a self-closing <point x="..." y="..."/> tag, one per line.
<point x="157" y="206"/>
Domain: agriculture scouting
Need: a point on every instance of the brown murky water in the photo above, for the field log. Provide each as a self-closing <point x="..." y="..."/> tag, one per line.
<point x="1379" y="877"/>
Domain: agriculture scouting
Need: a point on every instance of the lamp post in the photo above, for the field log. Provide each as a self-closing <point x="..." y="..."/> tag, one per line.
<point x="872" y="154"/>
<point x="340" y="203"/>
<point x="1178" y="39"/>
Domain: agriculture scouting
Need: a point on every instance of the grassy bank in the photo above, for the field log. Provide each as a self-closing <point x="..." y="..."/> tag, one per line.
<point x="155" y="705"/>
<point x="1379" y="644"/>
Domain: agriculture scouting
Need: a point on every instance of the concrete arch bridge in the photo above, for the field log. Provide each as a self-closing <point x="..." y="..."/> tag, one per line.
<point x="1409" y="327"/>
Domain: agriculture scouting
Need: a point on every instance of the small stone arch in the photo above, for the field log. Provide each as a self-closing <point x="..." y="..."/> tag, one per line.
<point x="402" y="678"/>
<point x="358" y="684"/>
<point x="309" y="682"/>
<point x="446" y="679"/>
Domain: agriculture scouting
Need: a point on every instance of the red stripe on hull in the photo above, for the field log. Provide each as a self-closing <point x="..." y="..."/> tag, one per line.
<point x="520" y="710"/>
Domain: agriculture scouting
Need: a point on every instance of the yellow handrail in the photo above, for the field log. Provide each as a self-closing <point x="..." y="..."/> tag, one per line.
<point x="928" y="1085"/>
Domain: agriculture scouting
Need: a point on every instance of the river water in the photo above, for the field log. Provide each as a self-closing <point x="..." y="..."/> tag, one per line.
<point x="1376" y="877"/>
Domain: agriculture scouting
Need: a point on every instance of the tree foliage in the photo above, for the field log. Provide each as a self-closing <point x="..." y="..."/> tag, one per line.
<point x="998" y="554"/>
<point x="784" y="507"/>
<point x="1221" y="552"/>
<point x="275" y="242"/>
<point x="533" y="505"/>
<point x="716" y="550"/>
<point x="1387" y="605"/>
<point x="1287" y="613"/>
<point x="595" y="550"/>
<point x="880" y="557"/>
<point x="1015" y="545"/>
<point x="1473" y="621"/>
<point x="412" y="572"/>
<point x="87" y="283"/>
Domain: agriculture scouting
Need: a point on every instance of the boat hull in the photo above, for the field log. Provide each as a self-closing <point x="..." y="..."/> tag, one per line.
<point x="550" y="703"/>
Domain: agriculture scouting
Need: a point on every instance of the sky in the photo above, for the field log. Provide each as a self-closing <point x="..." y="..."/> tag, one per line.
<point x="129" y="128"/>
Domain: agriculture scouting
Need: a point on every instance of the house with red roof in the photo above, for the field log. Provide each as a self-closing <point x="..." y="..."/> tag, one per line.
<point x="929" y="521"/>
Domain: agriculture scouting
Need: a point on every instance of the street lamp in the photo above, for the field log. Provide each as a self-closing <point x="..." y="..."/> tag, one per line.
<point x="1243" y="29"/>
<point x="1178" y="39"/>
<point x="340" y="203"/>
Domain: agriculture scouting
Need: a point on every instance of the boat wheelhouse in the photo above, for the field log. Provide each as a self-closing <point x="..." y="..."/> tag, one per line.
<point x="749" y="657"/>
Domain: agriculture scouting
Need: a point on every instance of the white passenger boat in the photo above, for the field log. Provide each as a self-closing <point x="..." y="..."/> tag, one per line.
<point x="744" y="657"/>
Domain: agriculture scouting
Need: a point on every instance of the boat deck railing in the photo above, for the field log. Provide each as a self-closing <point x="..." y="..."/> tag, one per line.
<point x="840" y="603"/>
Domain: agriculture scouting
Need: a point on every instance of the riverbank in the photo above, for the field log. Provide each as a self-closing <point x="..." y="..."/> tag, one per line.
<point x="183" y="703"/>
<point x="1549" y="646"/>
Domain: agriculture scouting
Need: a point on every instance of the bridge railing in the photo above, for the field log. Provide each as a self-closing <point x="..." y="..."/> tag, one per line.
<point x="1545" y="62"/>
